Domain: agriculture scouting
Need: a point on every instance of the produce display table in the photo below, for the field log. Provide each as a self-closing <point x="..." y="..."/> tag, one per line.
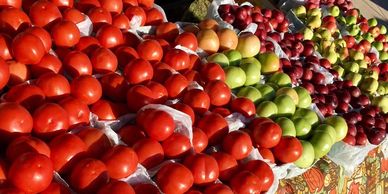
<point x="327" y="177"/>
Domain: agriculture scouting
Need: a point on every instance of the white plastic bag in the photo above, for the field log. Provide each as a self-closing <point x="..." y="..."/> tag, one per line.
<point x="286" y="5"/>
<point x="278" y="50"/>
<point x="348" y="156"/>
<point x="85" y="27"/>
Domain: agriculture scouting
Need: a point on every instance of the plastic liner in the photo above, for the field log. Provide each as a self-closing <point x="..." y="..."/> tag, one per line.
<point x="85" y="27"/>
<point x="295" y="24"/>
<point x="286" y="5"/>
<point x="278" y="50"/>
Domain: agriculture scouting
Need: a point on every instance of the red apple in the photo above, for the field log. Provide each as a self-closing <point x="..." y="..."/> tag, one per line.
<point x="224" y="8"/>
<point x="350" y="139"/>
<point x="354" y="91"/>
<point x="228" y="18"/>
<point x="257" y="17"/>
<point x="308" y="86"/>
<point x="318" y="78"/>
<point x="361" y="138"/>
<point x="267" y="13"/>
<point x="383" y="67"/>
<point x="380" y="123"/>
<point x="278" y="15"/>
<point x="380" y="38"/>
<point x="350" y="41"/>
<point x="376" y="136"/>
<point x="352" y="130"/>
<point x="342" y="107"/>
<point x="321" y="89"/>
<point x="329" y="18"/>
<point x="364" y="27"/>
<point x="351" y="117"/>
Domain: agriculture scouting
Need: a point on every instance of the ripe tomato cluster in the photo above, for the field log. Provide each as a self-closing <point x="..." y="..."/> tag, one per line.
<point x="53" y="77"/>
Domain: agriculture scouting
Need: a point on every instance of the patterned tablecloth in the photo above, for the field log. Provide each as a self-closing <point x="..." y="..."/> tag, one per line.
<point x="327" y="178"/>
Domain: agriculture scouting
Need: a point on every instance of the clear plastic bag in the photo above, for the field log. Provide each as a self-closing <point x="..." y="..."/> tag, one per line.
<point x="85" y="27"/>
<point x="278" y="50"/>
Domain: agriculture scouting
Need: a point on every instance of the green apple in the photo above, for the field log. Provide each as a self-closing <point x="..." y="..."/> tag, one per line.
<point x="362" y="64"/>
<point x="267" y="92"/>
<point x="270" y="62"/>
<point x="378" y="45"/>
<point x="250" y="60"/>
<point x="326" y="129"/>
<point x="341" y="19"/>
<point x="248" y="45"/>
<point x="381" y="102"/>
<point x="334" y="11"/>
<point x="381" y="90"/>
<point x="290" y="92"/>
<point x="340" y="126"/>
<point x="369" y="85"/>
<point x="235" y="77"/>
<point x="339" y="70"/>
<point x="285" y="104"/>
<point x="307" y="114"/>
<point x="314" y="12"/>
<point x="308" y="34"/>
<point x="314" y="22"/>
<point x="325" y="33"/>
<point x="307" y="157"/>
<point x="372" y="22"/>
<point x="383" y="56"/>
<point x="266" y="109"/>
<point x="219" y="58"/>
<point x="250" y="92"/>
<point x="252" y="73"/>
<point x="351" y="20"/>
<point x="300" y="11"/>
<point x="302" y="127"/>
<point x="288" y="128"/>
<point x="233" y="56"/>
<point x="340" y="42"/>
<point x="369" y="37"/>
<point x="304" y="97"/>
<point x="355" y="78"/>
<point x="353" y="30"/>
<point x="383" y="29"/>
<point x="369" y="73"/>
<point x="281" y="79"/>
<point x="332" y="56"/>
<point x="351" y="66"/>
<point x="356" y="55"/>
<point x="321" y="143"/>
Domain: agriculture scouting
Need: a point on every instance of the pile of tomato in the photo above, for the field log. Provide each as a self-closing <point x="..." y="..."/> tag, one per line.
<point x="55" y="76"/>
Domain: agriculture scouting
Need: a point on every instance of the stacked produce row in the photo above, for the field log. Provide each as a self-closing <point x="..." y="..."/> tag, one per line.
<point x="103" y="96"/>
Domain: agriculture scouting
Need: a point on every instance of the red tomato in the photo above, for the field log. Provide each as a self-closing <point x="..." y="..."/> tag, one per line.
<point x="158" y="124"/>
<point x="261" y="170"/>
<point x="227" y="165"/>
<point x="154" y="17"/>
<point x="77" y="63"/>
<point x="245" y="182"/>
<point x="212" y="71"/>
<point x="87" y="44"/>
<point x="13" y="20"/>
<point x="139" y="96"/>
<point x="159" y="91"/>
<point x="121" y="21"/>
<point x="195" y="61"/>
<point x="150" y="50"/>
<point x="31" y="172"/>
<point x="86" y="88"/>
<point x="5" y="47"/>
<point x="125" y="55"/>
<point x="164" y="44"/>
<point x="11" y="190"/>
<point x="63" y="3"/>
<point x="3" y="172"/>
<point x="65" y="33"/>
<point x="131" y="39"/>
<point x="185" y="109"/>
<point x="44" y="14"/>
<point x="203" y="167"/>
<point x="214" y="126"/>
<point x="56" y="188"/>
<point x="147" y="4"/>
<point x="12" y="3"/>
<point x="15" y="120"/>
<point x="174" y="178"/>
<point x="176" y="85"/>
<point x="88" y="175"/>
<point x="107" y="110"/>
<point x="162" y="71"/>
<point x="99" y="16"/>
<point x="224" y="112"/>
<point x="192" y="191"/>
<point x="50" y="119"/>
<point x="109" y="36"/>
<point x="113" y="6"/>
<point x="66" y="150"/>
<point x="219" y="92"/>
<point x="18" y="73"/>
<point x="197" y="99"/>
<point x="103" y="61"/>
<point x="26" y="144"/>
<point x="130" y="134"/>
<point x="176" y="146"/>
<point x="114" y="86"/>
<point x="96" y="141"/>
<point x="218" y="188"/>
<point x="136" y="16"/>
<point x="121" y="161"/>
<point x="138" y="71"/>
<point x="48" y="64"/>
<point x="77" y="110"/>
<point x="188" y="40"/>
<point x="129" y="3"/>
<point x="258" y="121"/>
<point x="267" y="134"/>
<point x="54" y="86"/>
<point x="29" y="96"/>
<point x="85" y="5"/>
<point x="243" y="106"/>
<point x="288" y="150"/>
<point x="167" y="30"/>
<point x="73" y="15"/>
<point x="146" y="188"/>
<point x="192" y="75"/>
<point x="116" y="187"/>
<point x="200" y="140"/>
<point x="177" y="59"/>
<point x="267" y="154"/>
<point x="149" y="152"/>
<point x="28" y="48"/>
<point x="238" y="144"/>
<point x="4" y="73"/>
<point x="62" y="52"/>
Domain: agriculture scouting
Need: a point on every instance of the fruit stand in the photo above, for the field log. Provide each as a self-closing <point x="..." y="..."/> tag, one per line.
<point x="192" y="97"/>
